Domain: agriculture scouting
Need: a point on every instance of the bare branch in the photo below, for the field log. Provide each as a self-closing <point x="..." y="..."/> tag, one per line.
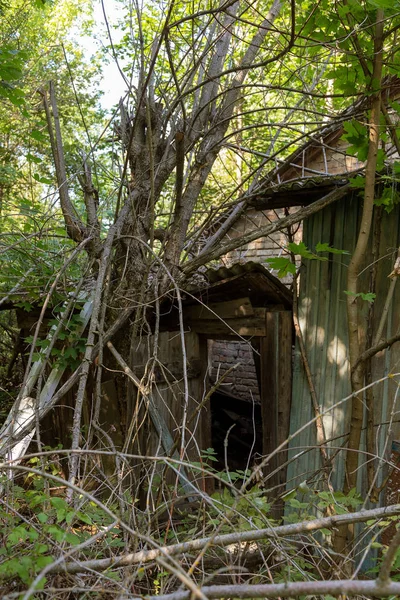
<point x="232" y="538"/>
<point x="290" y="589"/>
<point x="75" y="228"/>
<point x="278" y="225"/>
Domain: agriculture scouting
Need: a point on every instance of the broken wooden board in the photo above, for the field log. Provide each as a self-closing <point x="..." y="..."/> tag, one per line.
<point x="230" y="309"/>
<point x="250" y="326"/>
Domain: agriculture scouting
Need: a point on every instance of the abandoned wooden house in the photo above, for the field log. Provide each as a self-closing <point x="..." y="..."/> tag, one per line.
<point x="241" y="366"/>
<point x="267" y="368"/>
<point x="311" y="173"/>
<point x="238" y="399"/>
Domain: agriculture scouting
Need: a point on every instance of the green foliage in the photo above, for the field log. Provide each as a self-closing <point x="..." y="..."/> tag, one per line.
<point x="302" y="250"/>
<point x="356" y="135"/>
<point x="326" y="248"/>
<point x="367" y="297"/>
<point x="285" y="266"/>
<point x="388" y="198"/>
<point x="35" y="525"/>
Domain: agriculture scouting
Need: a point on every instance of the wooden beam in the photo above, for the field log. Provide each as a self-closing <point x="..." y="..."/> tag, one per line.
<point x="284" y="386"/>
<point x="246" y="326"/>
<point x="230" y="309"/>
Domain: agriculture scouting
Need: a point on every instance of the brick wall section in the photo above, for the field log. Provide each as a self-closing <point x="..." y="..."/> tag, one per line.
<point x="242" y="382"/>
<point x="223" y="354"/>
<point x="334" y="161"/>
<point x="262" y="248"/>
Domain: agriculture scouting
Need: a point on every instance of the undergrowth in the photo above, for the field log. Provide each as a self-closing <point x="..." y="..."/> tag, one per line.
<point x="40" y="529"/>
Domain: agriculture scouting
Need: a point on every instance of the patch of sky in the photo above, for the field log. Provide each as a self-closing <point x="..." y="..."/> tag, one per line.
<point x="106" y="17"/>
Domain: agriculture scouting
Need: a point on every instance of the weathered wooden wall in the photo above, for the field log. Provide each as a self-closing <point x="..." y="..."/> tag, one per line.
<point x="322" y="311"/>
<point x="176" y="403"/>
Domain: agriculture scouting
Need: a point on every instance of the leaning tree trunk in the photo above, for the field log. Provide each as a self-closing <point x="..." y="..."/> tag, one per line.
<point x="357" y="368"/>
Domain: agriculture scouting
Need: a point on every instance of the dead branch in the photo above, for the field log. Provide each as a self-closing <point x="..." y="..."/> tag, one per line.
<point x="290" y="589"/>
<point x="231" y="538"/>
<point x="75" y="228"/>
<point x="214" y="253"/>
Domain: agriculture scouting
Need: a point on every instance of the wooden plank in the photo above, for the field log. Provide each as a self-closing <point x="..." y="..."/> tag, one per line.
<point x="169" y="398"/>
<point x="247" y="326"/>
<point x="230" y="309"/>
<point x="268" y="390"/>
<point x="256" y="346"/>
<point x="276" y="382"/>
<point x="284" y="386"/>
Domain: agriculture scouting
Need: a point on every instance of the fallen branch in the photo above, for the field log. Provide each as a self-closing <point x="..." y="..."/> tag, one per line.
<point x="26" y="427"/>
<point x="228" y="539"/>
<point x="215" y="252"/>
<point x="290" y="589"/>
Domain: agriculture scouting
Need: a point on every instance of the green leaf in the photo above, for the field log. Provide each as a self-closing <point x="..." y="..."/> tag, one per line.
<point x="33" y="158"/>
<point x="356" y="135"/>
<point x="42" y="179"/>
<point x="19" y="534"/>
<point x="71" y="353"/>
<point x="84" y="518"/>
<point x="302" y="250"/>
<point x="289" y="495"/>
<point x="326" y="248"/>
<point x="43" y="561"/>
<point x="282" y="265"/>
<point x="368" y="297"/>
<point x="27" y="306"/>
<point x="72" y="539"/>
<point x="389" y="198"/>
<point x="58" y="503"/>
<point x="61" y="513"/>
<point x="43" y="518"/>
<point x="69" y="517"/>
<point x="56" y="532"/>
<point x="42" y="581"/>
<point x="38" y="135"/>
<point x="357" y="182"/>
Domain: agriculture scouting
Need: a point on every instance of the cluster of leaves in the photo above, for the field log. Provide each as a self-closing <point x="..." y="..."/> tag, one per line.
<point x="66" y="353"/>
<point x="35" y="47"/>
<point x="284" y="265"/>
<point x="35" y="526"/>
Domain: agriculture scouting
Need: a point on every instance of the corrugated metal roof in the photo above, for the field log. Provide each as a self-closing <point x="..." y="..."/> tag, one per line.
<point x="246" y="279"/>
<point x="302" y="191"/>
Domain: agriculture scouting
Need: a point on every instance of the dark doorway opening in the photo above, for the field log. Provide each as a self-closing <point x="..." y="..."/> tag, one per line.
<point x="242" y="419"/>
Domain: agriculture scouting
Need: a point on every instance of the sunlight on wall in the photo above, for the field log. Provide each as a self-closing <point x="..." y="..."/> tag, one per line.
<point x="337" y="354"/>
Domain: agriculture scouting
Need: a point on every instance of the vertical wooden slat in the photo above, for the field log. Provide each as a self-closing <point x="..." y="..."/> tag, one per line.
<point x="276" y="393"/>
<point x="169" y="396"/>
<point x="284" y="385"/>
<point x="268" y="392"/>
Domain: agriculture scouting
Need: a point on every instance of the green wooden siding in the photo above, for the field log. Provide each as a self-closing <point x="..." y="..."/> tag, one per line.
<point x="322" y="312"/>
